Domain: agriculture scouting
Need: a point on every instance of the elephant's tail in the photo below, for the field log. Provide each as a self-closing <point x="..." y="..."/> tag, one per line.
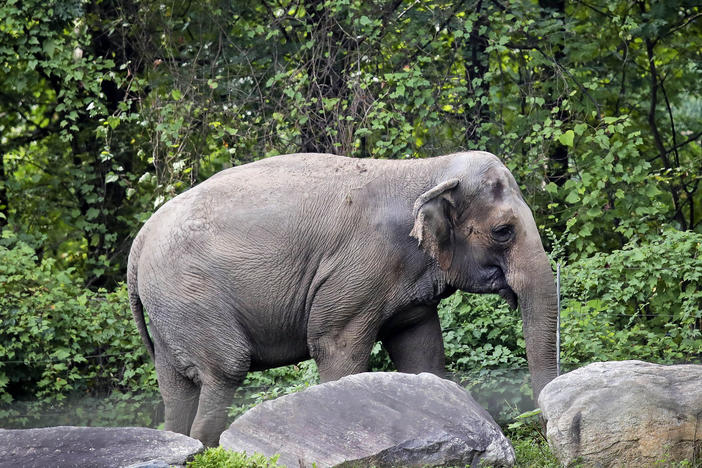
<point x="133" y="291"/>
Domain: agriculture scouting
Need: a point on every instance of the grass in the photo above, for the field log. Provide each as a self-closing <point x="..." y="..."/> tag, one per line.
<point x="220" y="458"/>
<point x="534" y="452"/>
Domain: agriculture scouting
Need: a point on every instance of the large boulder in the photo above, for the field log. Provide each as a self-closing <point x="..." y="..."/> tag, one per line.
<point x="69" y="446"/>
<point x="626" y="413"/>
<point x="373" y="419"/>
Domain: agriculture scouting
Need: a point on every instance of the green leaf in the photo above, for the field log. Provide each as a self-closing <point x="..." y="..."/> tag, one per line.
<point x="567" y="138"/>
<point x="113" y="121"/>
<point x="49" y="47"/>
<point x="572" y="197"/>
<point x="92" y="213"/>
<point x="552" y="188"/>
<point x="62" y="353"/>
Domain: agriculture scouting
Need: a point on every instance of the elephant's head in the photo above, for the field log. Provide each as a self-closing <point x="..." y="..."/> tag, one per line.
<point x="477" y="226"/>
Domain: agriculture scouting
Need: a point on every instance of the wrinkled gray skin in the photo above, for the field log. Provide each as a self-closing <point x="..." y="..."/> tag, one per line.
<point x="320" y="256"/>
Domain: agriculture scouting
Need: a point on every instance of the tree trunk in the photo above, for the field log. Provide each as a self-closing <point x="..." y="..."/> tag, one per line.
<point x="557" y="166"/>
<point x="4" y="203"/>
<point x="327" y="73"/>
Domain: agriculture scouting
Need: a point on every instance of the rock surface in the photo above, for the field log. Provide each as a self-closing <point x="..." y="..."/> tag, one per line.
<point x="625" y="414"/>
<point x="373" y="419"/>
<point x="69" y="446"/>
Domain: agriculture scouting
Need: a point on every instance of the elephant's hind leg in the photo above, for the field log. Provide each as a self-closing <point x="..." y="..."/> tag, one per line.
<point x="180" y="397"/>
<point x="216" y="396"/>
<point x="221" y="370"/>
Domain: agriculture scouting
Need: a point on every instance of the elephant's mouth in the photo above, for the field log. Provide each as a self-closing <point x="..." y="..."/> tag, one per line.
<point x="508" y="295"/>
<point x="498" y="283"/>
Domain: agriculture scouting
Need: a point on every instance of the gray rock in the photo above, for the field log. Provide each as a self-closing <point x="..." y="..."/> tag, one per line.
<point x="626" y="413"/>
<point x="68" y="446"/>
<point x="151" y="464"/>
<point x="373" y="419"/>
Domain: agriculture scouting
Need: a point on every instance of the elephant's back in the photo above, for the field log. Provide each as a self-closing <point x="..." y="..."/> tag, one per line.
<point x="271" y="183"/>
<point x="300" y="200"/>
<point x="280" y="177"/>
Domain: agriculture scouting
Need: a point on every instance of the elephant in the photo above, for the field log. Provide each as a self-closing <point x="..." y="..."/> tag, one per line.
<point x="321" y="256"/>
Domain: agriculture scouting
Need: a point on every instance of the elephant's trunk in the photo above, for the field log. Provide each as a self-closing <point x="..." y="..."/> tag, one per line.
<point x="531" y="278"/>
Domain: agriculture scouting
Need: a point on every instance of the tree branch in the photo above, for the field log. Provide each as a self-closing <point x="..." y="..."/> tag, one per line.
<point x="685" y="22"/>
<point x="686" y="142"/>
<point x="575" y="80"/>
<point x="601" y="12"/>
<point x="672" y="125"/>
<point x="657" y="139"/>
<point x="279" y="24"/>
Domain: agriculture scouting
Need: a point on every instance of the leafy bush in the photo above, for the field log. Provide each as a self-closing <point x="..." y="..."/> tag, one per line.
<point x="529" y="442"/>
<point x="221" y="458"/>
<point x="533" y="451"/>
<point x="485" y="352"/>
<point x="481" y="331"/>
<point x="641" y="302"/>
<point x="59" y="339"/>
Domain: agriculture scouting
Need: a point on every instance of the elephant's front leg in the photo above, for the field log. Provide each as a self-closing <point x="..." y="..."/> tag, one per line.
<point x="418" y="347"/>
<point x="342" y="351"/>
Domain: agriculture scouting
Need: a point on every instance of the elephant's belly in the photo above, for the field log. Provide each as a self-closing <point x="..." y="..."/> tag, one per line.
<point x="276" y="335"/>
<point x="281" y="353"/>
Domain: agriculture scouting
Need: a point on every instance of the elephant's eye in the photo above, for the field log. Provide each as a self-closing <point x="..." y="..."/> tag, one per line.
<point x="503" y="233"/>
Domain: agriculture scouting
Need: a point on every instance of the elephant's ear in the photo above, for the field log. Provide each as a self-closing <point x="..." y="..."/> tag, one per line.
<point x="432" y="222"/>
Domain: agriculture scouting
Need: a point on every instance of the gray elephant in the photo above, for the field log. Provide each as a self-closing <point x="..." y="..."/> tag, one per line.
<point x="315" y="255"/>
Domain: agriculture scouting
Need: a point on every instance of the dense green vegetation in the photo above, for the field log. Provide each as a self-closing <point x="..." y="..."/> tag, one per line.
<point x="221" y="458"/>
<point x="109" y="108"/>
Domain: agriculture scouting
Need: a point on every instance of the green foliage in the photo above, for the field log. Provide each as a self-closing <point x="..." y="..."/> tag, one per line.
<point x="59" y="339"/>
<point x="221" y="458"/>
<point x="481" y="331"/>
<point x="63" y="175"/>
<point x="525" y="421"/>
<point x="533" y="451"/>
<point x="640" y="302"/>
<point x="266" y="385"/>
<point x="529" y="442"/>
